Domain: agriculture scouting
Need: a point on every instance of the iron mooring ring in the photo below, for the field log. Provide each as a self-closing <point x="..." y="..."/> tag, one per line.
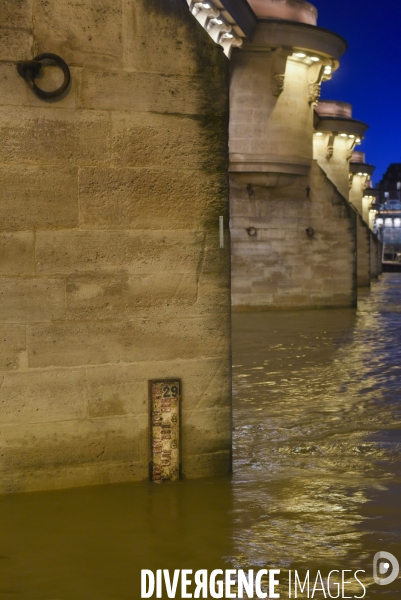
<point x="30" y="69"/>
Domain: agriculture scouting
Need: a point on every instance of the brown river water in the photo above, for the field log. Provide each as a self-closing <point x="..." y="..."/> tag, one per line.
<point x="316" y="482"/>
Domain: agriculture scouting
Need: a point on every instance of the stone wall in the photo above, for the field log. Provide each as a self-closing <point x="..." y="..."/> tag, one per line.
<point x="376" y="250"/>
<point x="363" y="252"/>
<point x="111" y="272"/>
<point x="281" y="267"/>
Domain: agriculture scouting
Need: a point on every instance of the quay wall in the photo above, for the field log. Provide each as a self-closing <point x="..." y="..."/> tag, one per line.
<point x="111" y="272"/>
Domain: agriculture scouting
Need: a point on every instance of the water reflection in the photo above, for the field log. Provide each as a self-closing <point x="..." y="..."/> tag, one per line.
<point x="92" y="542"/>
<point x="317" y="434"/>
<point x="316" y="481"/>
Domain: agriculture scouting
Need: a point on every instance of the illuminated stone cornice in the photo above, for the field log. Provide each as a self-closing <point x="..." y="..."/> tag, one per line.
<point x="228" y="22"/>
<point x="318" y="49"/>
<point x="300" y="37"/>
<point x="339" y="125"/>
<point x="361" y="169"/>
<point x="290" y="10"/>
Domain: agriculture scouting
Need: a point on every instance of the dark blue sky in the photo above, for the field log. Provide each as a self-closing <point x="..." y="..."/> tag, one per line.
<point x="369" y="76"/>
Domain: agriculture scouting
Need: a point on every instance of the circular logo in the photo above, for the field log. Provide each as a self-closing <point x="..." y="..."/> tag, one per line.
<point x="383" y="563"/>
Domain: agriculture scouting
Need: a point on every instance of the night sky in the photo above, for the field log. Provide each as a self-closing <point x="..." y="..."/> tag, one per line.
<point x="369" y="75"/>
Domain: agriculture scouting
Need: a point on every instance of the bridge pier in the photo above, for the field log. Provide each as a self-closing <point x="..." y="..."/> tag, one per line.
<point x="111" y="269"/>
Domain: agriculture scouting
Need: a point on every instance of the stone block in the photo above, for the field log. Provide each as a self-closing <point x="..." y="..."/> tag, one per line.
<point x="150" y="199"/>
<point x="206" y="431"/>
<point x="15" y="91"/>
<point x="72" y="344"/>
<point x="267" y="235"/>
<point x="133" y="252"/>
<point x="44" y="396"/>
<point x="207" y="465"/>
<point x="16" y="14"/>
<point x="150" y="92"/>
<point x="290" y="299"/>
<point x="240" y="223"/>
<point x="12" y="345"/>
<point x="43" y="446"/>
<point x="123" y="296"/>
<point x="76" y="476"/>
<point x="169" y="140"/>
<point x="334" y="300"/>
<point x="17" y="254"/>
<point x="83" y="33"/>
<point x="312" y="285"/>
<point x="15" y="43"/>
<point x="38" y="197"/>
<point x="337" y="284"/>
<point x="216" y="260"/>
<point x="31" y="300"/>
<point x="123" y="389"/>
<point x="241" y="285"/>
<point x="264" y="286"/>
<point x="54" y="136"/>
<point x="254" y="300"/>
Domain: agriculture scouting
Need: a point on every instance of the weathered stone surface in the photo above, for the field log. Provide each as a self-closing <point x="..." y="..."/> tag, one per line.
<point x="136" y="198"/>
<point x="150" y="92"/>
<point x="17" y="254"/>
<point x="12" y="344"/>
<point x="110" y="268"/>
<point x="83" y="33"/>
<point x="31" y="300"/>
<point x="73" y="443"/>
<point x="171" y="141"/>
<point x="206" y="465"/>
<point x="123" y="389"/>
<point x="206" y="431"/>
<point x="54" y="136"/>
<point x="76" y="476"/>
<point x="134" y="252"/>
<point x="16" y="13"/>
<point x="281" y="267"/>
<point x="34" y="197"/>
<point x="124" y="296"/>
<point x="15" y="44"/>
<point x="42" y="396"/>
<point x="71" y="344"/>
<point x="147" y="39"/>
<point x="15" y="91"/>
<point x="363" y="253"/>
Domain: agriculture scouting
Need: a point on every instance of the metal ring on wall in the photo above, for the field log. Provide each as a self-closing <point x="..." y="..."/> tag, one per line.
<point x="30" y="69"/>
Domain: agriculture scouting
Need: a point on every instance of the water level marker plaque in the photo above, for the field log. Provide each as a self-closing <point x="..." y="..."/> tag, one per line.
<point x="165" y="405"/>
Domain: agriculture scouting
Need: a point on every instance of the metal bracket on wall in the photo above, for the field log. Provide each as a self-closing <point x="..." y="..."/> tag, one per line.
<point x="30" y="69"/>
<point x="221" y="231"/>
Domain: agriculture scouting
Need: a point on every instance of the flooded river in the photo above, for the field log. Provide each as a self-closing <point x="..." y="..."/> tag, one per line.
<point x="316" y="483"/>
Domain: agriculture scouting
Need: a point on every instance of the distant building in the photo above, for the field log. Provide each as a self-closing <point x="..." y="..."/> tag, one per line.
<point x="387" y="210"/>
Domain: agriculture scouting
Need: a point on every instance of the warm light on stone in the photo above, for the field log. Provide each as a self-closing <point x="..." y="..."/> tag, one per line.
<point x="290" y="10"/>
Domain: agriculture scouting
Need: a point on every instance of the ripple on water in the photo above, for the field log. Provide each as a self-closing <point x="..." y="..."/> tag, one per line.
<point x="317" y="436"/>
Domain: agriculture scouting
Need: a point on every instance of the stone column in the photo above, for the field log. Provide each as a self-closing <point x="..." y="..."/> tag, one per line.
<point x="292" y="232"/>
<point x="336" y="135"/>
<point x="361" y="195"/>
